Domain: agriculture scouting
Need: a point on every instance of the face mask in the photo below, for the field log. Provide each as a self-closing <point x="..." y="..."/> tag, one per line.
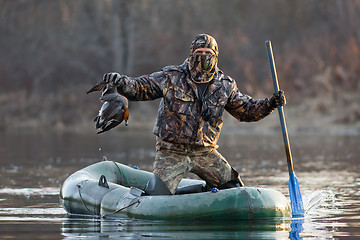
<point x="202" y="67"/>
<point x="203" y="63"/>
<point x="207" y="62"/>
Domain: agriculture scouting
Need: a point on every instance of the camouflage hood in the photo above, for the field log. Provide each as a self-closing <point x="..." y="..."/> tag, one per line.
<point x="203" y="66"/>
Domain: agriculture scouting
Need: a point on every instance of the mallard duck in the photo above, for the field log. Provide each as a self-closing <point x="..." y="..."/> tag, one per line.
<point x="114" y="109"/>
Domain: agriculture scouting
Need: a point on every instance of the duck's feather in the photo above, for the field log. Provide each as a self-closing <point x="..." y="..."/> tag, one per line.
<point x="98" y="87"/>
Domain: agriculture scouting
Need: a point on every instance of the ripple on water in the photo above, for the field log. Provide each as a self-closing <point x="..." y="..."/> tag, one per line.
<point x="30" y="191"/>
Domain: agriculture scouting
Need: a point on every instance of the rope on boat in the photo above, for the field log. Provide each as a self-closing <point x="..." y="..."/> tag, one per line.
<point x="119" y="210"/>
<point x="121" y="174"/>
<point x="83" y="202"/>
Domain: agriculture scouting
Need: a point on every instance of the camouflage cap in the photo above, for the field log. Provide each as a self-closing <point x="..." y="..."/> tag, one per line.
<point x="204" y="41"/>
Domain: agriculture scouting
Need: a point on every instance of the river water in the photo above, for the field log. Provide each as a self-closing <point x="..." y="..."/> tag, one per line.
<point x="33" y="167"/>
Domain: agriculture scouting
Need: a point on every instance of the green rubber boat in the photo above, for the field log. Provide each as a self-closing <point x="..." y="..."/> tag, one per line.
<point x="112" y="190"/>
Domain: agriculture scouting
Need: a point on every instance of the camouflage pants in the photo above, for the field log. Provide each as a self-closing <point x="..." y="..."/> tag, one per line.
<point x="173" y="161"/>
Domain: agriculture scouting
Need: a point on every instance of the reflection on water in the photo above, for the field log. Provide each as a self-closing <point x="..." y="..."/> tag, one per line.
<point x="296" y="227"/>
<point x="137" y="229"/>
<point x="34" y="166"/>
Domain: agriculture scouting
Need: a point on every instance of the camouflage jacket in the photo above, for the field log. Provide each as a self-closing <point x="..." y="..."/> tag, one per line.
<point x="180" y="116"/>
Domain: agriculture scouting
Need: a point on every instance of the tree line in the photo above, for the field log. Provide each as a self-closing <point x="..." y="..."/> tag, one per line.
<point x="51" y="51"/>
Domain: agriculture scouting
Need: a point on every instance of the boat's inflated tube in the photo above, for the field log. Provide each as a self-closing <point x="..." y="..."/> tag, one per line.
<point x="110" y="189"/>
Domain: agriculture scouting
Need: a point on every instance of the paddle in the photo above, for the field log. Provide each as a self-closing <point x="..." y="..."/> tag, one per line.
<point x="297" y="207"/>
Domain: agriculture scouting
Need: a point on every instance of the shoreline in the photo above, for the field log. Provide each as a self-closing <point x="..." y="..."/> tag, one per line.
<point x="74" y="113"/>
<point x="268" y="126"/>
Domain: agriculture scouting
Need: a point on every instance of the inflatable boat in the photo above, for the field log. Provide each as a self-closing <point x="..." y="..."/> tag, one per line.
<point x="112" y="190"/>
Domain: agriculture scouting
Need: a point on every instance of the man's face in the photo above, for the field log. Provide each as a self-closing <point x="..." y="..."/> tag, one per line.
<point x="203" y="58"/>
<point x="204" y="51"/>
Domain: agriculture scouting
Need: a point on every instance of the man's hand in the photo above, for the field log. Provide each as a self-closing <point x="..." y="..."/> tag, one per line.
<point x="277" y="100"/>
<point x="113" y="78"/>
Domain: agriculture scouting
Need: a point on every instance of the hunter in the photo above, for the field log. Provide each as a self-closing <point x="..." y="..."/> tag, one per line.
<point x="194" y="96"/>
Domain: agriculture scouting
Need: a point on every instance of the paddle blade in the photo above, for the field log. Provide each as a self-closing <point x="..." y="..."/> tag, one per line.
<point x="297" y="207"/>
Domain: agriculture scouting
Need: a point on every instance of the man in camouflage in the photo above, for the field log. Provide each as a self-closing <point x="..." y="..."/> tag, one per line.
<point x="194" y="96"/>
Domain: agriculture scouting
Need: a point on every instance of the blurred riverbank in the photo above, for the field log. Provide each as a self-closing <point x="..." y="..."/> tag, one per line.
<point x="54" y="51"/>
<point x="74" y="112"/>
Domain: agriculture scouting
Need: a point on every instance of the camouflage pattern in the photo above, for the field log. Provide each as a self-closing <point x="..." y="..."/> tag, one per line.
<point x="185" y="116"/>
<point x="189" y="118"/>
<point x="204" y="41"/>
<point x="173" y="161"/>
<point x="193" y="96"/>
<point x="203" y="66"/>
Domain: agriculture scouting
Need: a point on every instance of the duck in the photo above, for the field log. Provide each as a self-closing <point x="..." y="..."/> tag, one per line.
<point x="114" y="109"/>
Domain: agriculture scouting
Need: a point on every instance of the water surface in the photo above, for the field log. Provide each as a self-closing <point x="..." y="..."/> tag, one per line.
<point x="33" y="167"/>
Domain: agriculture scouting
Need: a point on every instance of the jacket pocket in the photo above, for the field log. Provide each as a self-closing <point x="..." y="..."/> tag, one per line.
<point x="180" y="94"/>
<point x="182" y="102"/>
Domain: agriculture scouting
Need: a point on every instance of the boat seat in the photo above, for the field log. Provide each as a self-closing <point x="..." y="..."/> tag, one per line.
<point x="202" y="187"/>
<point x="231" y="184"/>
<point x="155" y="186"/>
<point x="196" y="188"/>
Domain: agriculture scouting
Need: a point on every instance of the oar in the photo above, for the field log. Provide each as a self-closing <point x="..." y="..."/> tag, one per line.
<point x="297" y="207"/>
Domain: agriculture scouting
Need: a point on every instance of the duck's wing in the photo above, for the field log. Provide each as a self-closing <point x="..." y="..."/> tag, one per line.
<point x="104" y="111"/>
<point x="109" y="111"/>
<point x="115" y="109"/>
<point x="112" y="111"/>
<point x="112" y="96"/>
<point x="98" y="87"/>
<point x="109" y="125"/>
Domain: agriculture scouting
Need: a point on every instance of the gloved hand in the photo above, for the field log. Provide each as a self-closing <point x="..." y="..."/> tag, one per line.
<point x="113" y="78"/>
<point x="277" y="100"/>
